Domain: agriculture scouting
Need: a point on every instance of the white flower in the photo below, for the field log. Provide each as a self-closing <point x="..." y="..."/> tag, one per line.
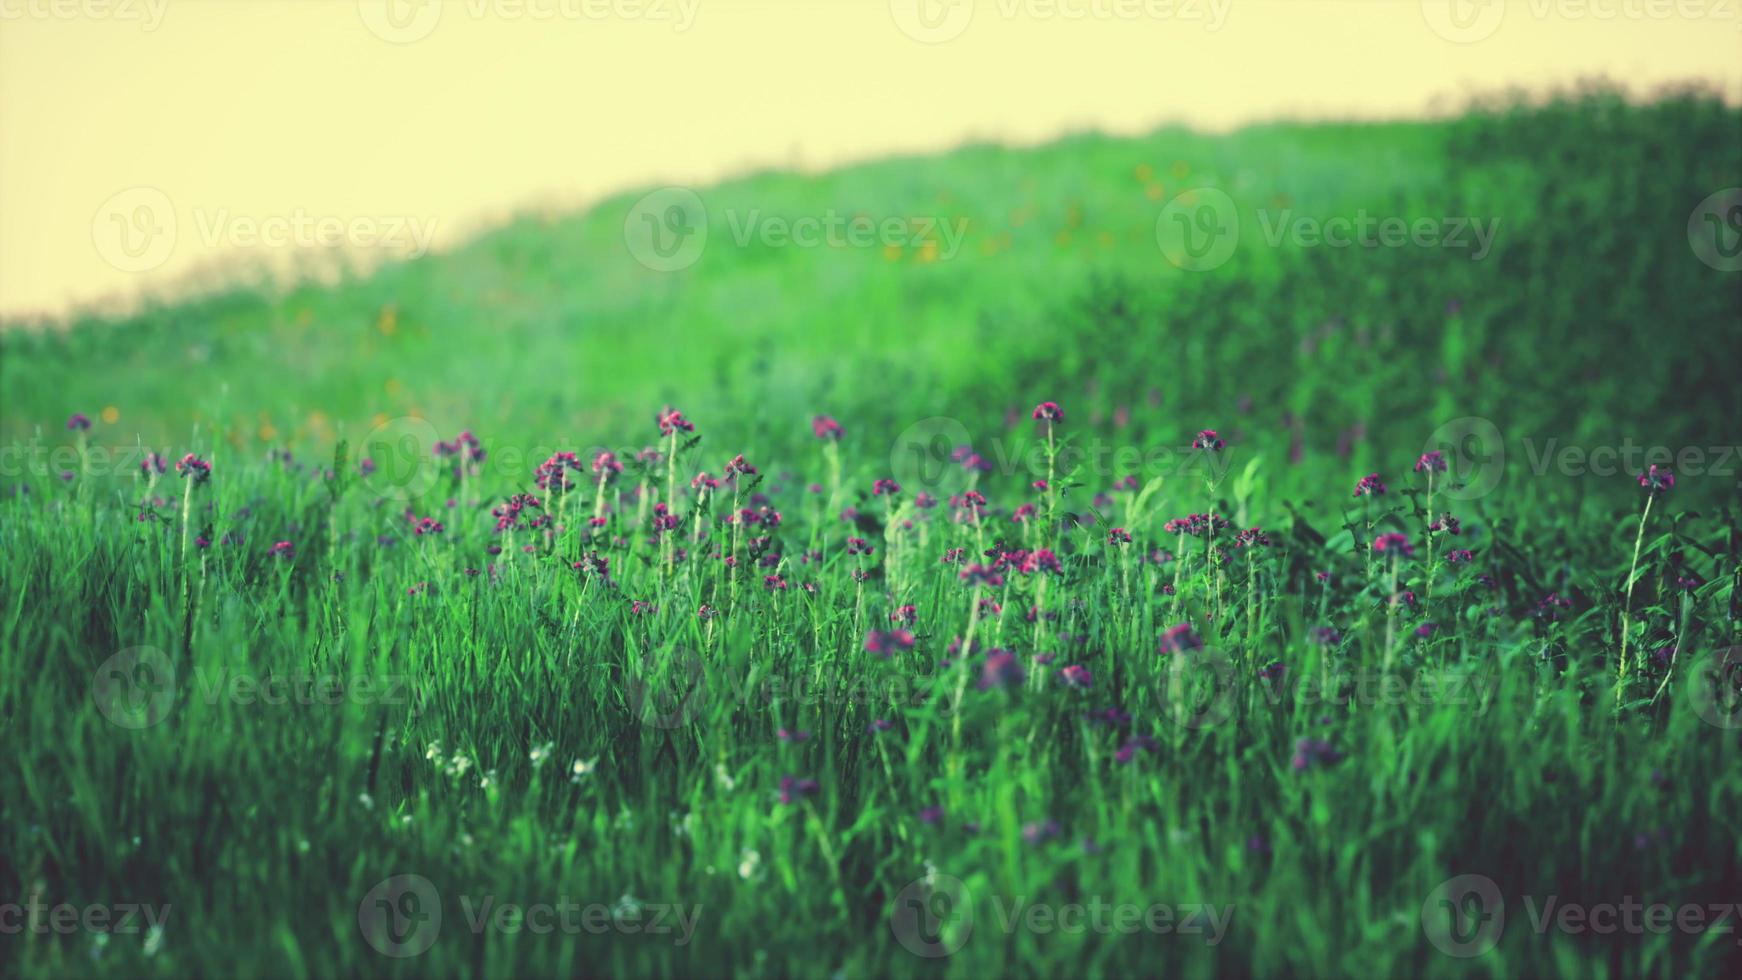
<point x="750" y="864"/>
<point x="682" y="825"/>
<point x="724" y="778"/>
<point x="582" y="768"/>
<point x="433" y="752"/>
<point x="540" y="753"/>
<point x="367" y="801"/>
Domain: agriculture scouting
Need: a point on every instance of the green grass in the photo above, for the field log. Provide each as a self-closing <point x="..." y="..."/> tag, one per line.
<point x="1509" y="743"/>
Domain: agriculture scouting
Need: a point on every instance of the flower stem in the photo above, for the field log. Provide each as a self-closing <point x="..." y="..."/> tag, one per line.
<point x="1390" y="614"/>
<point x="1627" y="603"/>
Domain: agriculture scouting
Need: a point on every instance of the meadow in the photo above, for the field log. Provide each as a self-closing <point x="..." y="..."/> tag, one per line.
<point x="1043" y="583"/>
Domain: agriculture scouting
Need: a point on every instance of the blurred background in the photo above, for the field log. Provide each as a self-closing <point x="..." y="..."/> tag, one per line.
<point x="1331" y="229"/>
<point x="418" y="123"/>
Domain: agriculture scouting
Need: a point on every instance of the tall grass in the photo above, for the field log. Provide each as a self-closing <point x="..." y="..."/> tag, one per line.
<point x="265" y="742"/>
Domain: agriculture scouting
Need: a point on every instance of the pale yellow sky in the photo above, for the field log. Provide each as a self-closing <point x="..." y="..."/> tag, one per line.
<point x="147" y="142"/>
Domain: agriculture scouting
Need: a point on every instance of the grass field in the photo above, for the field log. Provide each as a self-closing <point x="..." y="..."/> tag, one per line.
<point x="936" y="635"/>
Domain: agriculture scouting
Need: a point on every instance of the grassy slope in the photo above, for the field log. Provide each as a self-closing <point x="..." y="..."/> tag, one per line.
<point x="549" y="326"/>
<point x="1592" y="322"/>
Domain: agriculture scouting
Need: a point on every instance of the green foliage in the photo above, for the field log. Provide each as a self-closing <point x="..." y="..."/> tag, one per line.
<point x="259" y="741"/>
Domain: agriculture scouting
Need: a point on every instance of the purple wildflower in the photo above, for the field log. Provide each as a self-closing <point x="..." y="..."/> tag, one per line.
<point x="1180" y="639"/>
<point x="886" y="642"/>
<point x="1370" y="486"/>
<point x="196" y="468"/>
<point x="793" y="789"/>
<point x="1000" y="670"/>
<point x="1658" y="481"/>
<point x="1393" y="543"/>
<point x="1077" y="676"/>
<point x="1310" y="753"/>
<point x="826" y="428"/>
